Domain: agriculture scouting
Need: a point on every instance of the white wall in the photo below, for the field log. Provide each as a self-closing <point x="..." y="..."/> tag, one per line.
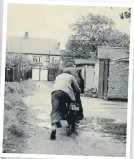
<point x="96" y="75"/>
<point x="89" y="77"/>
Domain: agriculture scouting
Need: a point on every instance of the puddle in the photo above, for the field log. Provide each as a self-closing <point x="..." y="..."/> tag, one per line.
<point x="105" y="125"/>
<point x="94" y="123"/>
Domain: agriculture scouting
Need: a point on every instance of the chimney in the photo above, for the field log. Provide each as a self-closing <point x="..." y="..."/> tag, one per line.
<point x="58" y="47"/>
<point x="26" y="35"/>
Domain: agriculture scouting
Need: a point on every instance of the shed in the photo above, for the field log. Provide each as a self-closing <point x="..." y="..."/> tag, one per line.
<point x="113" y="66"/>
<point x="88" y="71"/>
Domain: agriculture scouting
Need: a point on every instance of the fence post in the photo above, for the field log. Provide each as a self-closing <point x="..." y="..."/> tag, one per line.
<point x="13" y="74"/>
<point x="18" y="73"/>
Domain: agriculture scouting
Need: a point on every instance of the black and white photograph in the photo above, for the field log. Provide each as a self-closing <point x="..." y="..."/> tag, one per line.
<point x="66" y="86"/>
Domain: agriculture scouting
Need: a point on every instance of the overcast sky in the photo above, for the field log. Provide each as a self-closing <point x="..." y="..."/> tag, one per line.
<point x="45" y="21"/>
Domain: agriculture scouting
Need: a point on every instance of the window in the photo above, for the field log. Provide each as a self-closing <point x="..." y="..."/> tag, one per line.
<point x="37" y="59"/>
<point x="47" y="58"/>
<point x="52" y="59"/>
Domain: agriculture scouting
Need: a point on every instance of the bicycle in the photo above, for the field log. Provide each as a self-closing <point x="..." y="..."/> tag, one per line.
<point x="71" y="118"/>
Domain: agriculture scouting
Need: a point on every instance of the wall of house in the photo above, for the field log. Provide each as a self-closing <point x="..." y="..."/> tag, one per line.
<point x="54" y="59"/>
<point x="44" y="59"/>
<point x="42" y="74"/>
<point x="118" y="80"/>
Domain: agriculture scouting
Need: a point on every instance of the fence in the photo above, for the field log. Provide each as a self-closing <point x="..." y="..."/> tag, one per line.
<point x="15" y="74"/>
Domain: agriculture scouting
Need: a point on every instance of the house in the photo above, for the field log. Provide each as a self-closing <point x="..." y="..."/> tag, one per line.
<point x="108" y="74"/>
<point x="41" y="50"/>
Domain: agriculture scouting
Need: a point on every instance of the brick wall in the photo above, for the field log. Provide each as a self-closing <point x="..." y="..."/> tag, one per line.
<point x="118" y="80"/>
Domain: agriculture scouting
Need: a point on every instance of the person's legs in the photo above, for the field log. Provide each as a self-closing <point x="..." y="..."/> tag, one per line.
<point x="58" y="100"/>
<point x="65" y="99"/>
<point x="81" y="109"/>
<point x="53" y="133"/>
<point x="81" y="115"/>
<point x="55" y="114"/>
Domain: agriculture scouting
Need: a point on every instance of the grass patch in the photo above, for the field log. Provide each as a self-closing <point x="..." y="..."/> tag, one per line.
<point x="15" y="112"/>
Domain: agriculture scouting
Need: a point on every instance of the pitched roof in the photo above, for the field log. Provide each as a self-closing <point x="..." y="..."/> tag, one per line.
<point x="112" y="52"/>
<point x="32" y="45"/>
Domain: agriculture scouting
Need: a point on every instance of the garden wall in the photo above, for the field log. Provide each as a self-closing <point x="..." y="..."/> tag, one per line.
<point x="118" y="79"/>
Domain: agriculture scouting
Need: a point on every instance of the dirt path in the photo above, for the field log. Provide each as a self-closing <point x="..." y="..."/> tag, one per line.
<point x="88" y="141"/>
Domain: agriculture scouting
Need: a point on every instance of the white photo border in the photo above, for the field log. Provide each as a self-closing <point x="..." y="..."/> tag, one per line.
<point x="104" y="3"/>
<point x="1" y="27"/>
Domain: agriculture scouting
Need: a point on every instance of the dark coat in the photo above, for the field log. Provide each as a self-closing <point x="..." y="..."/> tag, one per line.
<point x="76" y="72"/>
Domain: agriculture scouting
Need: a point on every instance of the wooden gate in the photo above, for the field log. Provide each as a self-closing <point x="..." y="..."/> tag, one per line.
<point x="39" y="74"/>
<point x="35" y="74"/>
<point x="9" y="75"/>
<point x="103" y="78"/>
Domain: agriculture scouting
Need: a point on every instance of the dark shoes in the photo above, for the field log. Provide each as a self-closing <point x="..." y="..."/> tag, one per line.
<point x="80" y="116"/>
<point x="58" y="125"/>
<point x="53" y="135"/>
